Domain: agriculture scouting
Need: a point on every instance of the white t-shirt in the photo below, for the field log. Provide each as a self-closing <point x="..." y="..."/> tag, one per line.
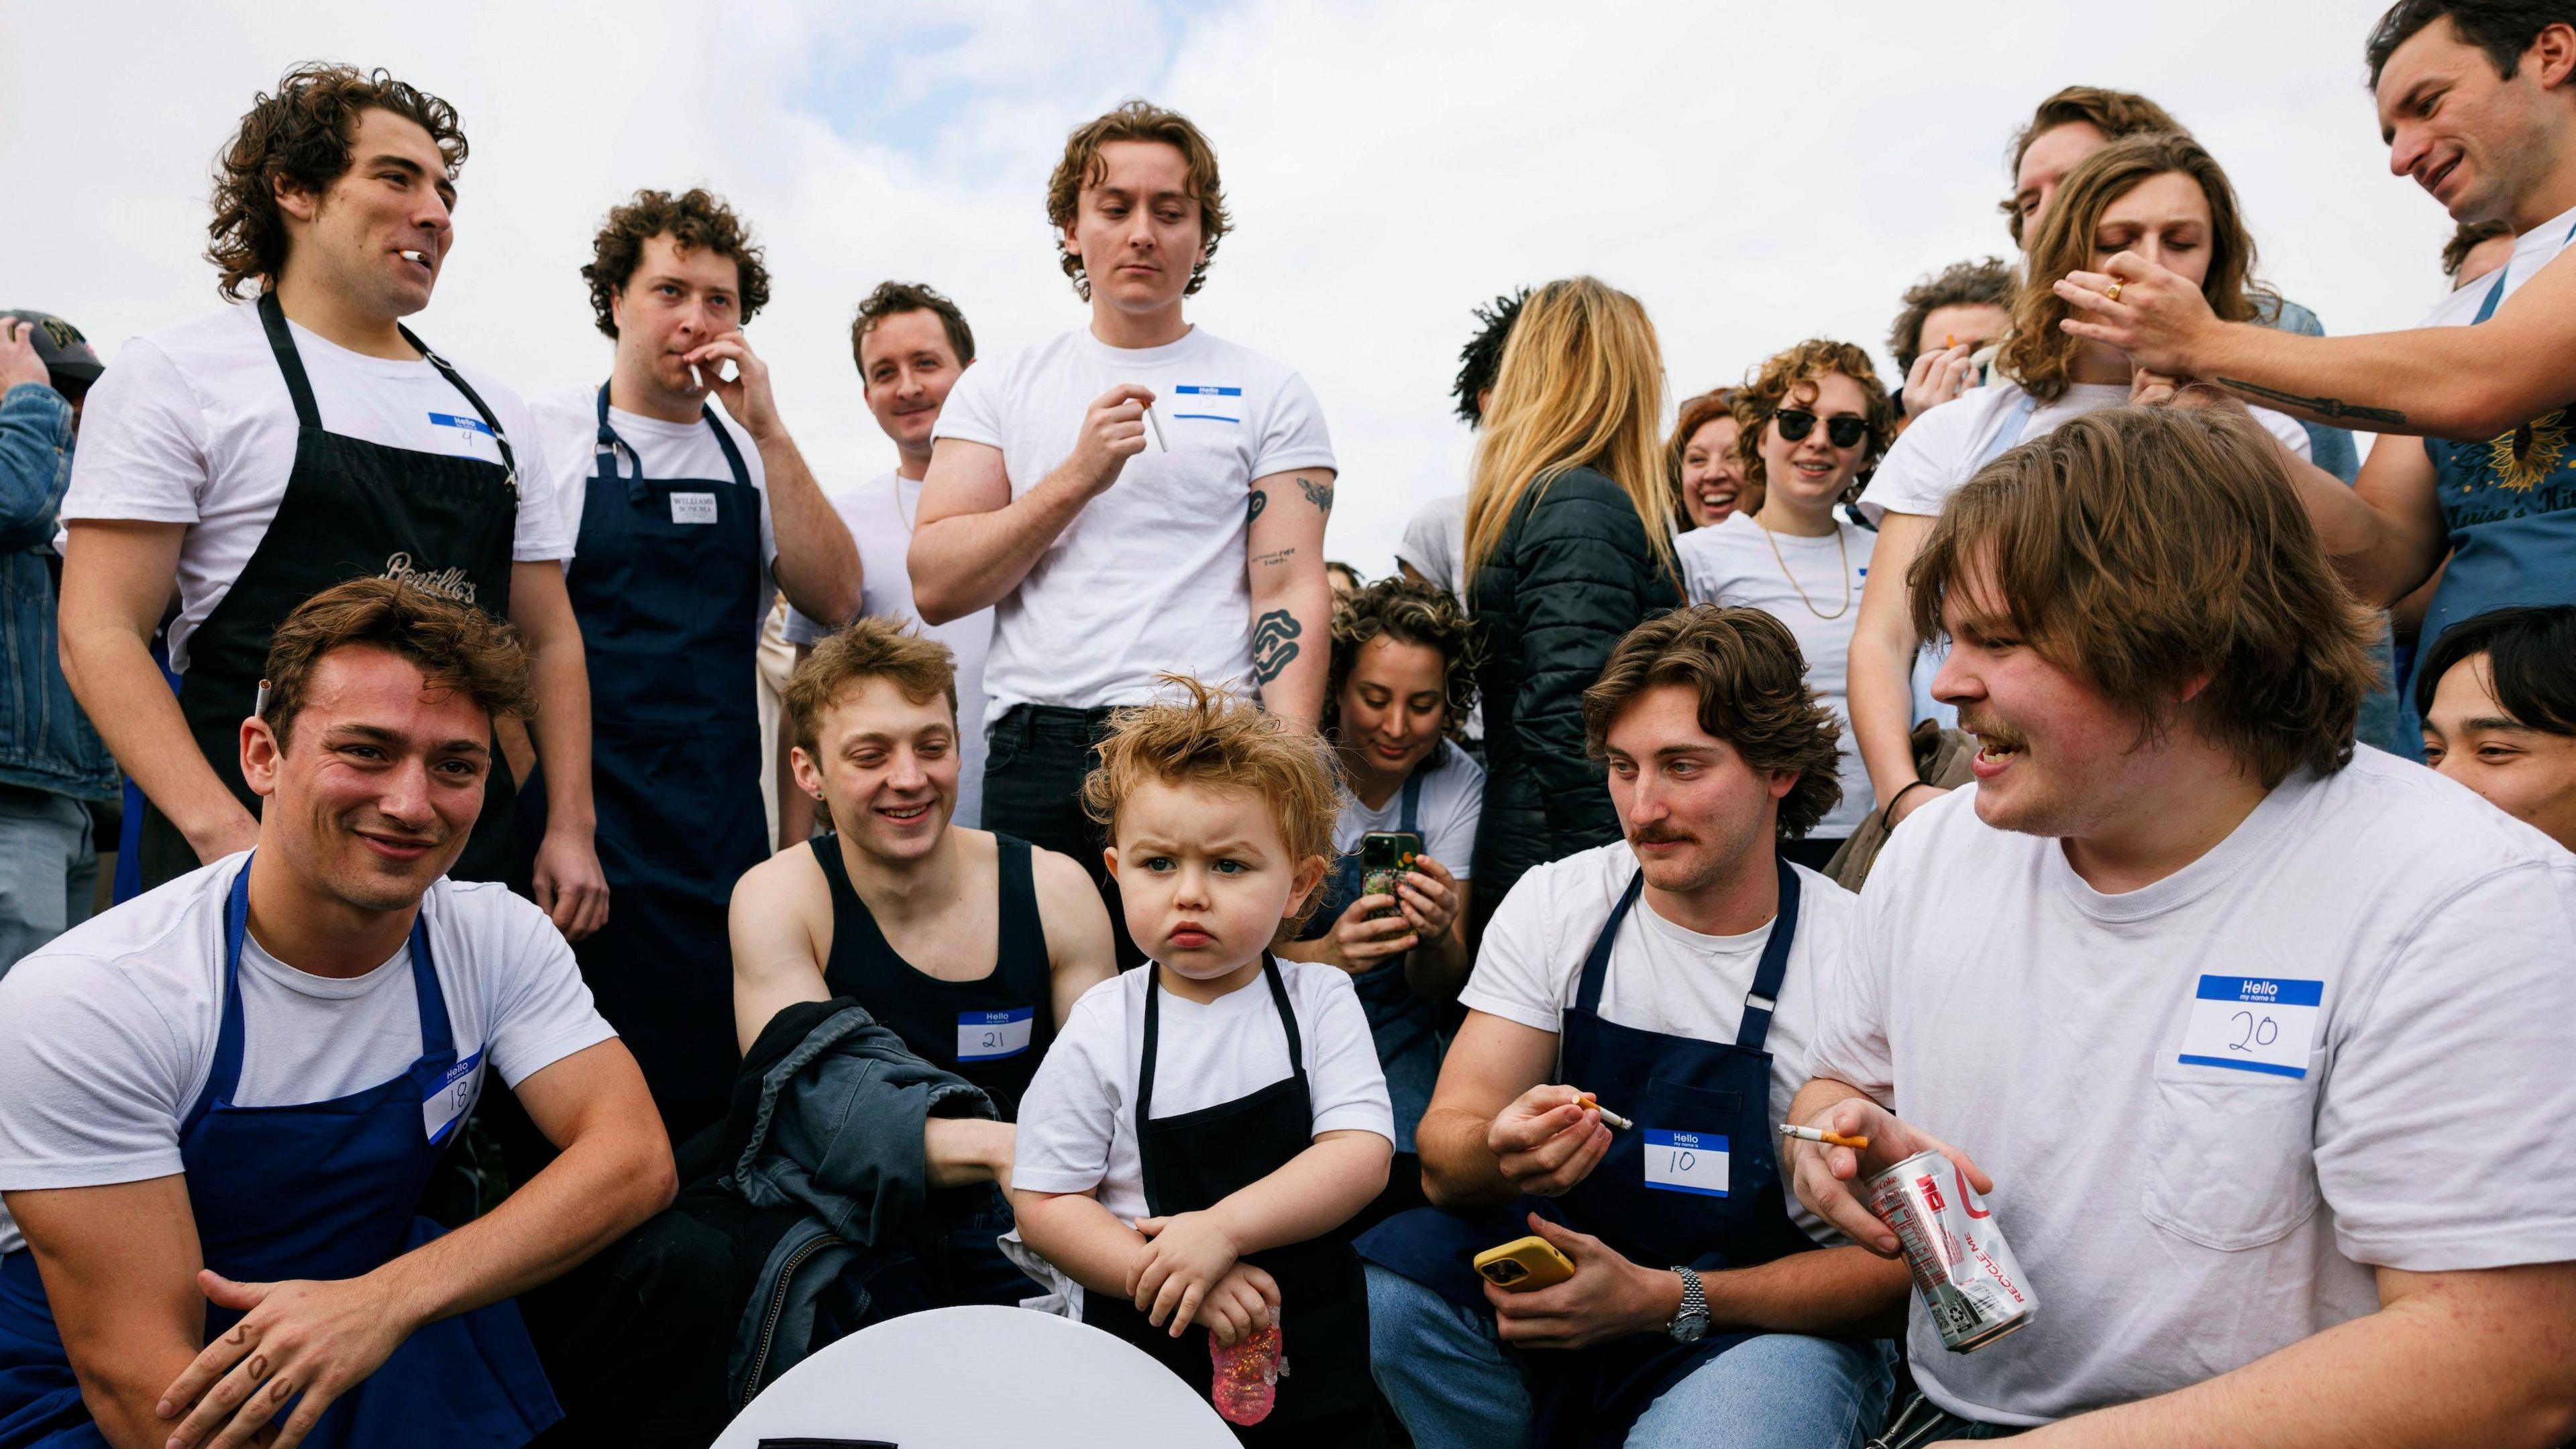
<point x="1435" y="541"/>
<point x="2532" y="250"/>
<point x="1734" y="563"/>
<point x="1453" y="801"/>
<point x="107" y="1033"/>
<point x="1662" y="977"/>
<point x="881" y="513"/>
<point x="193" y="425"/>
<point x="1149" y="578"/>
<point x="1077" y="1130"/>
<point x="568" y="424"/>
<point x="2174" y="1217"/>
<point x="1944" y="448"/>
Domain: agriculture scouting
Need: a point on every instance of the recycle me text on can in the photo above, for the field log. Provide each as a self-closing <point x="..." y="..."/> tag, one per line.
<point x="1962" y="1266"/>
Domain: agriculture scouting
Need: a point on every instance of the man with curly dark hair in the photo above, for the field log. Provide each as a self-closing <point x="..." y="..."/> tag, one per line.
<point x="1676" y="977"/>
<point x="685" y="523"/>
<point x="1134" y="498"/>
<point x="1949" y="318"/>
<point x="1435" y="537"/>
<point x="247" y="460"/>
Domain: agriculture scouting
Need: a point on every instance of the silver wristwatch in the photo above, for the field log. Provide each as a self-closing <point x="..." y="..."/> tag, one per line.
<point x="1690" y="1325"/>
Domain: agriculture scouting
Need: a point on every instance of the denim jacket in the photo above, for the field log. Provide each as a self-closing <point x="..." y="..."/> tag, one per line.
<point x="46" y="743"/>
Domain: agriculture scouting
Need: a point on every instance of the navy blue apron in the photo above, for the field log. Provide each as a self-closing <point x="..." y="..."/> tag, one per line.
<point x="1403" y="1025"/>
<point x="1689" y="1099"/>
<point x="2510" y="505"/>
<point x="321" y="1190"/>
<point x="666" y="580"/>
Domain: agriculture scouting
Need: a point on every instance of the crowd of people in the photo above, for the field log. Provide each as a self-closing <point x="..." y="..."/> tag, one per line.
<point x="1038" y="876"/>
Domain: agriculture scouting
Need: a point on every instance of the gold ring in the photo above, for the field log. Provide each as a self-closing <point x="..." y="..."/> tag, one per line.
<point x="2112" y="291"/>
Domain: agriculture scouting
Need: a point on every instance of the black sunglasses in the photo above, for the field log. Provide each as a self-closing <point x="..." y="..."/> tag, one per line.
<point x="1842" y="432"/>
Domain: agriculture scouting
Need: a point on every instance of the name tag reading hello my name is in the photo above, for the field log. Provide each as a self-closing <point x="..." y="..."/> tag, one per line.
<point x="989" y="1036"/>
<point x="1686" y="1161"/>
<point x="693" y="508"/>
<point x="2253" y="1024"/>
<point x="448" y="1098"/>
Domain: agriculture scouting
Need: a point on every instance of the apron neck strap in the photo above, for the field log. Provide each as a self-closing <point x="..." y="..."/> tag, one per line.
<point x="610" y="445"/>
<point x="1755" y="1025"/>
<point x="2015" y="423"/>
<point x="1596" y="967"/>
<point x="1411" y="810"/>
<point x="1154" y="1032"/>
<point x="223" y="1079"/>
<point x="272" y="320"/>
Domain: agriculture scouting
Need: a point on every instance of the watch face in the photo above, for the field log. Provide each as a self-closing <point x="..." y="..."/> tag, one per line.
<point x="1691" y="1329"/>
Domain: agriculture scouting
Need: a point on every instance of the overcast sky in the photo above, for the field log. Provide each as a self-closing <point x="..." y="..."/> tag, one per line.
<point x="1754" y="173"/>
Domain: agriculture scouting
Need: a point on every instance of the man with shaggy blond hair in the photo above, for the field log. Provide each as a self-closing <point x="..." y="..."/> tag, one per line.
<point x="2208" y="997"/>
<point x="1132" y="497"/>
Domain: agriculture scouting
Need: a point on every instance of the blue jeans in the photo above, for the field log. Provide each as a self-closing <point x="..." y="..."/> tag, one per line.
<point x="1455" y="1386"/>
<point x="48" y="869"/>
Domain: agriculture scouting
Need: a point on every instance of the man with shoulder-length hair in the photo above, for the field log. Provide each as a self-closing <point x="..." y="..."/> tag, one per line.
<point x="245" y="461"/>
<point x="230" y="1090"/>
<point x="1133" y="499"/>
<point x="1674" y="976"/>
<point x="2258" y="1033"/>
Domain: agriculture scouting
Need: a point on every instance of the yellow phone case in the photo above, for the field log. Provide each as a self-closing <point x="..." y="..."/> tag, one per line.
<point x="1524" y="1264"/>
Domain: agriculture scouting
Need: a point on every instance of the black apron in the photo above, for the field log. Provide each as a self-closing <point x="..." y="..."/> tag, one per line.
<point x="1196" y="1159"/>
<point x="1405" y="1027"/>
<point x="993" y="1030"/>
<point x="1653" y="1197"/>
<point x="666" y="580"/>
<point x="353" y="509"/>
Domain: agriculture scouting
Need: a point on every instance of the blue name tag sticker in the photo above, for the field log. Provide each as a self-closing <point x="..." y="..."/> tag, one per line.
<point x="1693" y="1162"/>
<point x="448" y="1098"/>
<point x="1202" y="396"/>
<point x="989" y="1036"/>
<point x="454" y="420"/>
<point x="2253" y="1024"/>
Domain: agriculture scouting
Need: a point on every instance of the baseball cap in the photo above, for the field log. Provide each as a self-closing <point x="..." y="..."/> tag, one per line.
<point x="65" y="352"/>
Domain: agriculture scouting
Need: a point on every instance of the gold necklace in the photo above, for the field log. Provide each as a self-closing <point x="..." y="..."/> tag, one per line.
<point x="1842" y="547"/>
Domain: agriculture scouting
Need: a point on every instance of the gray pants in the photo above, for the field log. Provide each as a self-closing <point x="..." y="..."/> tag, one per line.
<point x="48" y="869"/>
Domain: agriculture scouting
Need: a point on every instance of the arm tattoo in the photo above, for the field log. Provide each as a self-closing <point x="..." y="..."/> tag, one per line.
<point x="1252" y="509"/>
<point x="1275" y="556"/>
<point x="2324" y="407"/>
<point x="1274" y="643"/>
<point x="1319" y="494"/>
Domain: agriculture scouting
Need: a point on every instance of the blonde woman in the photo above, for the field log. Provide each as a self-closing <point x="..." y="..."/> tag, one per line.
<point x="1569" y="546"/>
<point x="1811" y="421"/>
<point x="2159" y="195"/>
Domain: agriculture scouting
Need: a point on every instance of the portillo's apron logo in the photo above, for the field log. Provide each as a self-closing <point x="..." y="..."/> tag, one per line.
<point x="447" y="583"/>
<point x="2520" y="459"/>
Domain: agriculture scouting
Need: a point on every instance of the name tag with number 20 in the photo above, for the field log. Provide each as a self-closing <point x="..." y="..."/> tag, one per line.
<point x="2253" y="1024"/>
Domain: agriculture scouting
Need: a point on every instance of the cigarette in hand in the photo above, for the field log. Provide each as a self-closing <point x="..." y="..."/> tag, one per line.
<point x="1156" y="424"/>
<point x="1830" y="1139"/>
<point x="1613" y="1118"/>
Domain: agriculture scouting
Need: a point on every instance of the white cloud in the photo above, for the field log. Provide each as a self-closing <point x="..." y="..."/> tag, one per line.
<point x="1755" y="173"/>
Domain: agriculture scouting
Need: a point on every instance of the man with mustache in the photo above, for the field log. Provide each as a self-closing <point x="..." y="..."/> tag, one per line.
<point x="249" y="459"/>
<point x="2261" y="1035"/>
<point x="230" y="1090"/>
<point x="675" y="557"/>
<point x="1674" y="978"/>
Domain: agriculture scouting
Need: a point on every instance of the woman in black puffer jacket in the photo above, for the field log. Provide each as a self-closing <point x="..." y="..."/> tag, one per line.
<point x="1569" y="546"/>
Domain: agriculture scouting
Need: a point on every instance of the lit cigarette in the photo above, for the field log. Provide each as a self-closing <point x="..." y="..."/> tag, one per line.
<point x="420" y="257"/>
<point x="1152" y="422"/>
<point x="1830" y="1139"/>
<point x="1613" y="1118"/>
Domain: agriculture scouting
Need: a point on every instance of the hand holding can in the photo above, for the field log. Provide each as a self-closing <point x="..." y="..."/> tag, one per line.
<point x="1828" y="1177"/>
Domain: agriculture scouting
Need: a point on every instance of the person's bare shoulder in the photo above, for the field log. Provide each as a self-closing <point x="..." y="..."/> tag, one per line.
<point x="785" y="891"/>
<point x="1070" y="908"/>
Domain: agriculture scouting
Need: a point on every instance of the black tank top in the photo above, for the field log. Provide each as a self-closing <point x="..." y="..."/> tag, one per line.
<point x="993" y="1030"/>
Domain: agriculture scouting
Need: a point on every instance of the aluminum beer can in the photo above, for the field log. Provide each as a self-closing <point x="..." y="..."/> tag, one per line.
<point x="1962" y="1266"/>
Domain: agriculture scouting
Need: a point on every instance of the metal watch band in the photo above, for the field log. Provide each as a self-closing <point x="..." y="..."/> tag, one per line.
<point x="1694" y="1301"/>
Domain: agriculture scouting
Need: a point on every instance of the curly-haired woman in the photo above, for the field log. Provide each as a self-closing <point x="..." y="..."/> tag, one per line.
<point x="1403" y="679"/>
<point x="1809" y="423"/>
<point x="2159" y="195"/>
<point x="1708" y="474"/>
